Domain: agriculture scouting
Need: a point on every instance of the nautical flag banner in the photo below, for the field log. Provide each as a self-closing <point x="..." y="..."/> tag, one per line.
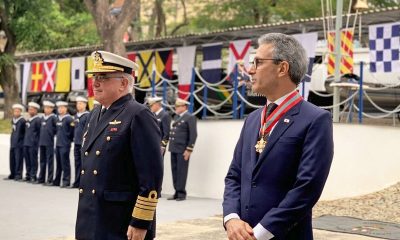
<point x="186" y="57"/>
<point x="26" y="69"/>
<point x="145" y="62"/>
<point x="164" y="63"/>
<point x="63" y="80"/>
<point x="37" y="77"/>
<point x="239" y="51"/>
<point x="78" y="73"/>
<point x="211" y="65"/>
<point x="384" y="47"/>
<point x="49" y="75"/>
<point x="309" y="42"/>
<point x="346" y="49"/>
<point x="132" y="56"/>
<point x="89" y="64"/>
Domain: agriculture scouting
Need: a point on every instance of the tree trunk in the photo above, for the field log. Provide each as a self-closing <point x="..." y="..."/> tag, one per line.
<point x="10" y="88"/>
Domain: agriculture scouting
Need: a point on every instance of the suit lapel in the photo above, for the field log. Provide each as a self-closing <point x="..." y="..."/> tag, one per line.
<point x="254" y="138"/>
<point x="282" y="125"/>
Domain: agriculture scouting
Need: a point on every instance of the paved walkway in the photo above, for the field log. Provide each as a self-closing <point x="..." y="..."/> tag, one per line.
<point x="36" y="212"/>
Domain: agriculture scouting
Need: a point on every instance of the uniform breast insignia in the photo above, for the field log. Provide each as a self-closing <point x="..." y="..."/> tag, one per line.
<point x="286" y="120"/>
<point x="59" y="124"/>
<point x="145" y="207"/>
<point x="72" y="124"/>
<point x="44" y="123"/>
<point x="115" y="122"/>
<point x="114" y="129"/>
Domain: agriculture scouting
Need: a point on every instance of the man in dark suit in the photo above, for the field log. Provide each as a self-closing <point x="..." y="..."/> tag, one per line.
<point x="182" y="139"/>
<point x="163" y="118"/>
<point x="64" y="137"/>
<point x="31" y="141"/>
<point x="16" y="143"/>
<point x="122" y="169"/>
<point x="80" y="120"/>
<point x="280" y="166"/>
<point x="46" y="143"/>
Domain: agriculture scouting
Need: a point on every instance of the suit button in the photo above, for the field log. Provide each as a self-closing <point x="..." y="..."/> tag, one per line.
<point x="81" y="190"/>
<point x="83" y="172"/>
<point x="97" y="153"/>
<point x="95" y="172"/>
<point x="86" y="153"/>
<point x="93" y="191"/>
<point x="253" y="184"/>
<point x="108" y="138"/>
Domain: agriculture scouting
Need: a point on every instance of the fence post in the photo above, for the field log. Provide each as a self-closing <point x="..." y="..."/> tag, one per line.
<point x="153" y="83"/>
<point x="205" y="93"/>
<point x="360" y="92"/>
<point x="235" y="89"/>
<point x="191" y="107"/>
<point x="164" y="93"/>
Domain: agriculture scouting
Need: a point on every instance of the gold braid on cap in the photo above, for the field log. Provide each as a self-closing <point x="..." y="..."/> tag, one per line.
<point x="145" y="207"/>
<point x="98" y="64"/>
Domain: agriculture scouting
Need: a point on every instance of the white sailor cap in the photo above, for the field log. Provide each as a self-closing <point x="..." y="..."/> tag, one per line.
<point x="152" y="100"/>
<point x="61" y="103"/>
<point x="181" y="102"/>
<point x="33" y="104"/>
<point x="106" y="62"/>
<point x="81" y="99"/>
<point x="19" y="106"/>
<point x="48" y="104"/>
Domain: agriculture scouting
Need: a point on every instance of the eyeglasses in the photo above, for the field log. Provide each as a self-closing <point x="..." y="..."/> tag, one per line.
<point x="103" y="78"/>
<point x="256" y="61"/>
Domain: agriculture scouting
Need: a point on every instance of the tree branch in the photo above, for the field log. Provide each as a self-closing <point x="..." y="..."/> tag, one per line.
<point x="185" y="21"/>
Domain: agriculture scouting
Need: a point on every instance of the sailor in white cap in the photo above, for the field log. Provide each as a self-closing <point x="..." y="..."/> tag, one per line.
<point x="64" y="137"/>
<point x="121" y="160"/>
<point x="31" y="142"/>
<point x="80" y="120"/>
<point x="17" y="141"/>
<point x="163" y="117"/>
<point x="46" y="143"/>
<point x="181" y="144"/>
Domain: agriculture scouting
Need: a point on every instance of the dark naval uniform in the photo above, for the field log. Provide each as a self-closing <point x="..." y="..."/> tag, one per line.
<point x="164" y="120"/>
<point x="16" y="148"/>
<point x="80" y="120"/>
<point x="46" y="147"/>
<point x="65" y="135"/>
<point x="182" y="137"/>
<point x="122" y="172"/>
<point x="31" y="146"/>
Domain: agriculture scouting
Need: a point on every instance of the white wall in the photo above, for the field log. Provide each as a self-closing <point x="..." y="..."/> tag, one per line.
<point x="367" y="159"/>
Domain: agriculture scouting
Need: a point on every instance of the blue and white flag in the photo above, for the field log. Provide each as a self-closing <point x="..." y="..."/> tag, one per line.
<point x="309" y="42"/>
<point x="211" y="67"/>
<point x="78" y="73"/>
<point x="384" y="47"/>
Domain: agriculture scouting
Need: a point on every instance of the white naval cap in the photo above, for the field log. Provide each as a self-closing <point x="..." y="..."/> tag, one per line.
<point x="181" y="102"/>
<point x="61" y="103"/>
<point x="19" y="106"/>
<point x="48" y="104"/>
<point x="106" y="62"/>
<point x="33" y="104"/>
<point x="81" y="99"/>
<point x="152" y="100"/>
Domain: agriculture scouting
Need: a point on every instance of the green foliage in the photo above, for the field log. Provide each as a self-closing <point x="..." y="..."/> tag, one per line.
<point x="6" y="60"/>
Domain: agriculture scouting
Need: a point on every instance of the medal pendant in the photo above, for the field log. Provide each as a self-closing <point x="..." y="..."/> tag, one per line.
<point x="260" y="145"/>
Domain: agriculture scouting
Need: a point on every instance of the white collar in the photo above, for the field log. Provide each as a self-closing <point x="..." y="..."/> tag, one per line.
<point x="158" y="112"/>
<point x="281" y="99"/>
<point x="62" y="117"/>
<point x="16" y="120"/>
<point x="30" y="119"/>
<point x="45" y="117"/>
<point x="180" y="115"/>
<point x="80" y="114"/>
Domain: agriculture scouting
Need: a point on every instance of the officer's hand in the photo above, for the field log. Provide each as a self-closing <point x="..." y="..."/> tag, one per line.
<point x="136" y="233"/>
<point x="162" y="150"/>
<point x="239" y="230"/>
<point x="186" y="155"/>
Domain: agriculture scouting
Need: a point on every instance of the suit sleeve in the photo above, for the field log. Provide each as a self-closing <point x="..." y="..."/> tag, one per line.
<point x="232" y="193"/>
<point x="192" y="133"/>
<point x="146" y="153"/>
<point x="312" y="173"/>
<point x="166" y="125"/>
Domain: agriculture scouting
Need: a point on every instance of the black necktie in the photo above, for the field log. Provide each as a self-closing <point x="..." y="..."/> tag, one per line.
<point x="103" y="110"/>
<point x="270" y="108"/>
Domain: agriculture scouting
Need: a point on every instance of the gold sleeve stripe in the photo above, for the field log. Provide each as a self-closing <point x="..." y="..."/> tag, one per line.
<point x="149" y="200"/>
<point x="189" y="148"/>
<point x="143" y="214"/>
<point x="138" y="205"/>
<point x="150" y="204"/>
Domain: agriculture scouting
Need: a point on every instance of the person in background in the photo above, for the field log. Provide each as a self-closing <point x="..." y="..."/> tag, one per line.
<point x="16" y="143"/>
<point x="31" y="142"/>
<point x="46" y="143"/>
<point x="80" y="120"/>
<point x="65" y="135"/>
<point x="182" y="139"/>
<point x="163" y="118"/>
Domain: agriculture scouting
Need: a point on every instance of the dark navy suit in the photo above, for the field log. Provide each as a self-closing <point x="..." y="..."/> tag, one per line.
<point x="65" y="135"/>
<point x="182" y="137"/>
<point x="46" y="147"/>
<point x="16" y="148"/>
<point x="279" y="188"/>
<point x="31" y="146"/>
<point x="122" y="172"/>
<point x="80" y="120"/>
<point x="164" y="120"/>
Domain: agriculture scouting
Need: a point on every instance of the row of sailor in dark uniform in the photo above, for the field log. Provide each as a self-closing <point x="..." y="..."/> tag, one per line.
<point x="46" y="136"/>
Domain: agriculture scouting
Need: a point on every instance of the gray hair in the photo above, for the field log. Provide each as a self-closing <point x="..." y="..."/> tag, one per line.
<point x="130" y="79"/>
<point x="287" y="48"/>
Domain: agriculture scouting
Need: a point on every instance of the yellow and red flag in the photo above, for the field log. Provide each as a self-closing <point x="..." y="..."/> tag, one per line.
<point x="37" y="77"/>
<point x="346" y="50"/>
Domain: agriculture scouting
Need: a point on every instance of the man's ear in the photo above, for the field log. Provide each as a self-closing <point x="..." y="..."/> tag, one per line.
<point x="124" y="83"/>
<point x="283" y="68"/>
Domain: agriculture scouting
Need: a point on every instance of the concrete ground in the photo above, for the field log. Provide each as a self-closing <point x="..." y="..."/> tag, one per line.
<point x="36" y="212"/>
